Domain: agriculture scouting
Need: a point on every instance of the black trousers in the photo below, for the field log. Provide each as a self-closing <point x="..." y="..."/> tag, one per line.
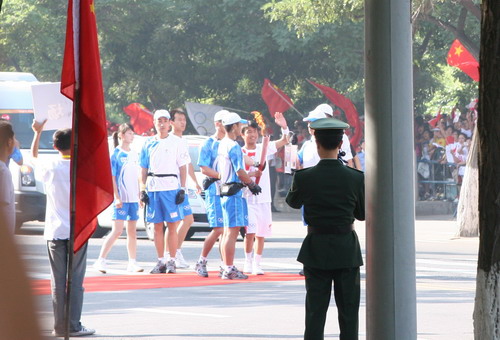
<point x="347" y="295"/>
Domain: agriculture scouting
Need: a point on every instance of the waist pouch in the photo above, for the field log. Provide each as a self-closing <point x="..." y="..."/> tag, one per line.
<point x="230" y="189"/>
<point x="161" y="175"/>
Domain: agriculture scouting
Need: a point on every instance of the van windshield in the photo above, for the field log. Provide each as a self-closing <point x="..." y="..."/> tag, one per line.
<point x="21" y="122"/>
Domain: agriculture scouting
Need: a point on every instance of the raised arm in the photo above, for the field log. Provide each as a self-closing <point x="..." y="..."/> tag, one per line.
<point x="37" y="128"/>
<point x="281" y="121"/>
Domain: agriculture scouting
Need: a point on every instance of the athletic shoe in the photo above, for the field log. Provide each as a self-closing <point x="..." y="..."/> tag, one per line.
<point x="201" y="268"/>
<point x="82" y="332"/>
<point x="160" y="268"/>
<point x="256" y="270"/>
<point x="247" y="267"/>
<point x="134" y="268"/>
<point x="179" y="261"/>
<point x="171" y="267"/>
<point x="234" y="274"/>
<point x="100" y="265"/>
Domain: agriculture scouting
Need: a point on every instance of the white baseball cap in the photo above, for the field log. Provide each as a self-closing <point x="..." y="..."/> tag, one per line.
<point x="321" y="111"/>
<point x="233" y="118"/>
<point x="220" y="114"/>
<point x="161" y="113"/>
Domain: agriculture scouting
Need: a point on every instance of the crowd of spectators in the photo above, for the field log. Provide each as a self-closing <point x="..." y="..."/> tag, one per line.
<point x="442" y="144"/>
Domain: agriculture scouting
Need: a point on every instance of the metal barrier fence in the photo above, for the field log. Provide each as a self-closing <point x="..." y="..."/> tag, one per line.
<point x="437" y="180"/>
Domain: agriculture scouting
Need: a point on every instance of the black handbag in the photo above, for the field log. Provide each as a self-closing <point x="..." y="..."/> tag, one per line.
<point x="230" y="189"/>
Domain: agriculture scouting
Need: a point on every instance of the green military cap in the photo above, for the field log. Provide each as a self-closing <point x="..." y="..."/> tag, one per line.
<point x="329" y="124"/>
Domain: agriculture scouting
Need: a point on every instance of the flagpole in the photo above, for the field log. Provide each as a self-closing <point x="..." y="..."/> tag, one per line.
<point x="70" y="255"/>
<point x="286" y="100"/>
<point x="73" y="174"/>
<point x="237" y="110"/>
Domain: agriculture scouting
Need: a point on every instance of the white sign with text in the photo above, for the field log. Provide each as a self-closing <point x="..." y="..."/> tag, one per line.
<point x="49" y="104"/>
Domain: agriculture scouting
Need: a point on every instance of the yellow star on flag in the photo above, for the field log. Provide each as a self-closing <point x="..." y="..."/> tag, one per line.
<point x="458" y="50"/>
<point x="92" y="9"/>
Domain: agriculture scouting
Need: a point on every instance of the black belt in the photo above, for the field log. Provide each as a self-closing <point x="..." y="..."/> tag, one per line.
<point x="338" y="229"/>
<point x="161" y="175"/>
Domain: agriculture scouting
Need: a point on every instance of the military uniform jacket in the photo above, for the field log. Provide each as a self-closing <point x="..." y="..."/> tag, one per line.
<point x="332" y="195"/>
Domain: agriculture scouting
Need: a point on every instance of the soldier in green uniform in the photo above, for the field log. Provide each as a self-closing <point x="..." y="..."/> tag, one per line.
<point x="332" y="195"/>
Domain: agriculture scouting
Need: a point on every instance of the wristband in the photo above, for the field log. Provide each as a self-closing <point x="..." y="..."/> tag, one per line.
<point x="285" y="131"/>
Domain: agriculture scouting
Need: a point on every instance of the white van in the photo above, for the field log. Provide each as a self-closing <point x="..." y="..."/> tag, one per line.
<point x="17" y="107"/>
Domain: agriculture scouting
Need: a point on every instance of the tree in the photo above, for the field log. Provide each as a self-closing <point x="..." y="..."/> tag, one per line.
<point x="487" y="302"/>
<point x="436" y="24"/>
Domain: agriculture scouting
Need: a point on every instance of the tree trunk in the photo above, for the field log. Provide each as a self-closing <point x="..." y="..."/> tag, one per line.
<point x="487" y="304"/>
<point x="467" y="210"/>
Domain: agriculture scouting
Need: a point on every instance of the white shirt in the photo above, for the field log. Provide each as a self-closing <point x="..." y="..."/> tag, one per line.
<point x="164" y="156"/>
<point x="309" y="152"/>
<point x="7" y="205"/>
<point x="264" y="182"/>
<point x="55" y="175"/>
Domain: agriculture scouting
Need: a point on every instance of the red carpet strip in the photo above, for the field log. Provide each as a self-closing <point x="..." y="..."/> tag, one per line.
<point x="111" y="283"/>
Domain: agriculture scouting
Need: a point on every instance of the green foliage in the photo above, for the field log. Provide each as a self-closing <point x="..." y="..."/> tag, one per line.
<point x="305" y="16"/>
<point x="162" y="53"/>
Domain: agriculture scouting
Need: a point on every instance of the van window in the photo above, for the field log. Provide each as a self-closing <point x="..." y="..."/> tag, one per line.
<point x="21" y="122"/>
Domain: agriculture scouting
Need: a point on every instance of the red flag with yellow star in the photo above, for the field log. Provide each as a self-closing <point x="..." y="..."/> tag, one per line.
<point x="458" y="56"/>
<point x="81" y="81"/>
<point x="276" y="100"/>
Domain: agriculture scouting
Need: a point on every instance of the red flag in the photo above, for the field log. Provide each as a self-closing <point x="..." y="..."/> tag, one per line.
<point x="458" y="56"/>
<point x="346" y="105"/>
<point x="276" y="100"/>
<point x="140" y="118"/>
<point x="81" y="81"/>
<point x="433" y="122"/>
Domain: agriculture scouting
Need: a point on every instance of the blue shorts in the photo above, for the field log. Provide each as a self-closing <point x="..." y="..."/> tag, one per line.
<point x="128" y="212"/>
<point x="185" y="207"/>
<point x="214" y="211"/>
<point x="234" y="211"/>
<point x="162" y="207"/>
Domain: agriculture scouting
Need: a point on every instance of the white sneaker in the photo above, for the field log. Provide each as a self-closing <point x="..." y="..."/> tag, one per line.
<point x="256" y="270"/>
<point x="179" y="261"/>
<point x="100" y="265"/>
<point x="134" y="268"/>
<point x="248" y="266"/>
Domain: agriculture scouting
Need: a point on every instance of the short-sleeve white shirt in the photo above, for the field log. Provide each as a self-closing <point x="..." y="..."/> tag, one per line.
<point x="55" y="175"/>
<point x="164" y="156"/>
<point x="7" y="204"/>
<point x="264" y="182"/>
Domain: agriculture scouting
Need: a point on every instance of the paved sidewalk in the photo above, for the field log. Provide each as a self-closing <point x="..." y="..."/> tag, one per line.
<point x="446" y="270"/>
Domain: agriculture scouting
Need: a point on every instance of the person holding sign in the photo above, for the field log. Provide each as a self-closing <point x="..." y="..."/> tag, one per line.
<point x="56" y="179"/>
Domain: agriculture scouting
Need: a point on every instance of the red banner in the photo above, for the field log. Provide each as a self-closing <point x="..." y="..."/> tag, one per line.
<point x="458" y="56"/>
<point x="81" y="81"/>
<point x="140" y="118"/>
<point x="346" y="105"/>
<point x="276" y="100"/>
